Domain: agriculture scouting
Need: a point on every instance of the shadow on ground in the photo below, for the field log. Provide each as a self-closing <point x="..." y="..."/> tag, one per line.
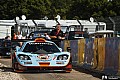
<point x="88" y="71"/>
<point x="80" y="69"/>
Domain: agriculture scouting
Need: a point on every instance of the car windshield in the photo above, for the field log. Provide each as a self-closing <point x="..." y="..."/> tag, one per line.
<point x="41" y="48"/>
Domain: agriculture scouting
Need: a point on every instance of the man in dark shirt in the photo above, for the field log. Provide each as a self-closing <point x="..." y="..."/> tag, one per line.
<point x="57" y="35"/>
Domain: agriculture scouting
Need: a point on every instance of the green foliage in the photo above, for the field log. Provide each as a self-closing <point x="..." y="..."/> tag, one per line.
<point x="67" y="9"/>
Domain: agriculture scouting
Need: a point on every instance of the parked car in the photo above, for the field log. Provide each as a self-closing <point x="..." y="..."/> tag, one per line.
<point x="37" y="34"/>
<point x="73" y="35"/>
<point x="5" y="48"/>
<point x="1" y="40"/>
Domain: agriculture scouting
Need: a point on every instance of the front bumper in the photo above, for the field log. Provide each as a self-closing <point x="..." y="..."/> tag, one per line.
<point x="67" y="68"/>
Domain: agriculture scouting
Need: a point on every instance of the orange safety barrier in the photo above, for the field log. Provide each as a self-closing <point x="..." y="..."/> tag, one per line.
<point x="101" y="54"/>
<point x="66" y="44"/>
<point x="81" y="51"/>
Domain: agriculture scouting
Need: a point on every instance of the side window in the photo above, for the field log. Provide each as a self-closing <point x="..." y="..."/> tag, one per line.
<point x="26" y="49"/>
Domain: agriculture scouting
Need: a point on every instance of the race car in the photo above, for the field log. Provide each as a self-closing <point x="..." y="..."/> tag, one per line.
<point x="40" y="55"/>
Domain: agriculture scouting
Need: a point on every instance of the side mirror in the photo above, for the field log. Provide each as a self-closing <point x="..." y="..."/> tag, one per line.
<point x="68" y="49"/>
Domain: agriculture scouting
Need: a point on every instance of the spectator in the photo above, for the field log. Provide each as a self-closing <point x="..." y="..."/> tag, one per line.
<point x="57" y="35"/>
<point x="19" y="36"/>
<point x="7" y="38"/>
<point x="39" y="35"/>
<point x="15" y="36"/>
<point x="47" y="36"/>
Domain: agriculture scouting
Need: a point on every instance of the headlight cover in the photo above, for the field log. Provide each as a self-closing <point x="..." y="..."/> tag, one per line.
<point x="62" y="57"/>
<point x="65" y="57"/>
<point x="23" y="57"/>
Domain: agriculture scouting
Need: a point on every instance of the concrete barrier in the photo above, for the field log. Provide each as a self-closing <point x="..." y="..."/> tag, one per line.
<point x="119" y="58"/>
<point x="112" y="56"/>
<point x="101" y="54"/>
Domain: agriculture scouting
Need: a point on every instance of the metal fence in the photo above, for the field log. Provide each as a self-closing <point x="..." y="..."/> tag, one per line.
<point x="112" y="23"/>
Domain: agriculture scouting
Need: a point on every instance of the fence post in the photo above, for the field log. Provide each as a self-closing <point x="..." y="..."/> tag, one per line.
<point x="113" y="25"/>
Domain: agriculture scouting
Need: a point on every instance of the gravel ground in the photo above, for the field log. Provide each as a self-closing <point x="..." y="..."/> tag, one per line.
<point x="8" y="75"/>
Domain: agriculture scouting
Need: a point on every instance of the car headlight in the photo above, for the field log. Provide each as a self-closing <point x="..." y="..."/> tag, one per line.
<point x="24" y="57"/>
<point x="62" y="57"/>
<point x="65" y="57"/>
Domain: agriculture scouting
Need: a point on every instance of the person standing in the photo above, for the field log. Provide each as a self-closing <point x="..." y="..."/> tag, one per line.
<point x="47" y="36"/>
<point x="14" y="36"/>
<point x="57" y="35"/>
<point x="19" y="36"/>
<point x="7" y="38"/>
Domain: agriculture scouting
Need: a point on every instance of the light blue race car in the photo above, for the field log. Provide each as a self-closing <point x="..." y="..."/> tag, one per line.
<point x="40" y="55"/>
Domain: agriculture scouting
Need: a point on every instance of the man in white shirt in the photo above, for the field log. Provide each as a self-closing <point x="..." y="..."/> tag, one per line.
<point x="47" y="36"/>
<point x="19" y="36"/>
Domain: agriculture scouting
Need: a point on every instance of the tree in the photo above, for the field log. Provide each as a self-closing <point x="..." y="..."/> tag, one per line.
<point x="67" y="9"/>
